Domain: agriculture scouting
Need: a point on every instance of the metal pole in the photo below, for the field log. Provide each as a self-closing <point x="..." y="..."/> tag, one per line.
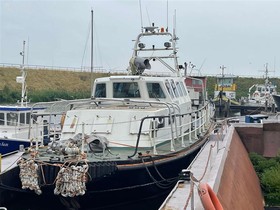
<point x="23" y="75"/>
<point x="91" y="59"/>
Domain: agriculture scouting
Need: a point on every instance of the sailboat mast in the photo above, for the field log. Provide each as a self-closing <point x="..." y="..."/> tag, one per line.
<point x="91" y="59"/>
<point x="23" y="76"/>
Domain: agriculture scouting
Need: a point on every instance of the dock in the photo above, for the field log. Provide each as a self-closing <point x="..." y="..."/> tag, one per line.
<point x="224" y="164"/>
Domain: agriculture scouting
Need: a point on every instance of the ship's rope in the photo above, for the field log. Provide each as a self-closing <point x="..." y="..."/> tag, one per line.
<point x="164" y="183"/>
<point x="195" y="180"/>
<point x="174" y="179"/>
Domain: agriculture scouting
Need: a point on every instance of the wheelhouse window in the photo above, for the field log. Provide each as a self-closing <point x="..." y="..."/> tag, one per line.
<point x="183" y="88"/>
<point x="12" y="118"/>
<point x="126" y="90"/>
<point x="100" y="90"/>
<point x="27" y="117"/>
<point x="196" y="82"/>
<point x="179" y="89"/>
<point x="168" y="87"/>
<point x="2" y="119"/>
<point x="22" y="118"/>
<point x="174" y="88"/>
<point x="155" y="90"/>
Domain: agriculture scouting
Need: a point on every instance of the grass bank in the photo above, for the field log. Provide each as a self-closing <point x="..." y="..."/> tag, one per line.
<point x="47" y="85"/>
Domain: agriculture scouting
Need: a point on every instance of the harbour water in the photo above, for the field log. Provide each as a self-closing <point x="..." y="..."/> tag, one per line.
<point x="28" y="201"/>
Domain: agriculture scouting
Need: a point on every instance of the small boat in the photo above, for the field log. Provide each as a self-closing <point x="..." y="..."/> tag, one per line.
<point x="225" y="89"/>
<point x="276" y="99"/>
<point x="262" y="93"/>
<point x="16" y="128"/>
<point x="129" y="142"/>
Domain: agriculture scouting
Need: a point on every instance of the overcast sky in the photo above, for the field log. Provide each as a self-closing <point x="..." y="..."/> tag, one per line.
<point x="241" y="35"/>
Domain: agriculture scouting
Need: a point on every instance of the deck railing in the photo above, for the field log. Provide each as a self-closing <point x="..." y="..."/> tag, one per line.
<point x="178" y="130"/>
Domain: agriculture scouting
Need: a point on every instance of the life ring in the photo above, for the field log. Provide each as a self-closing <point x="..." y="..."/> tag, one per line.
<point x="208" y="197"/>
<point x="256" y="94"/>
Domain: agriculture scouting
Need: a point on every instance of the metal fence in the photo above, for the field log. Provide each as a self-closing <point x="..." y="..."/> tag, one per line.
<point x="98" y="69"/>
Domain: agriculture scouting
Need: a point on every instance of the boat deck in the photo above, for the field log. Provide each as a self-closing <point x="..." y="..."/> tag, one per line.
<point x="9" y="162"/>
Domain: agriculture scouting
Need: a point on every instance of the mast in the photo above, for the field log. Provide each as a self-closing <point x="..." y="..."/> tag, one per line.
<point x="174" y="40"/>
<point x="91" y="58"/>
<point x="223" y="76"/>
<point x="266" y="74"/>
<point x="22" y="78"/>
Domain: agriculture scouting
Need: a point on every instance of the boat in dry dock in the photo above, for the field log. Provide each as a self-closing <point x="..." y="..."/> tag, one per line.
<point x="128" y="142"/>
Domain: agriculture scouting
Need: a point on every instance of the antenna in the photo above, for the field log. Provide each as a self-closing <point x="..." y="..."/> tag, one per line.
<point x="223" y="70"/>
<point x="141" y="16"/>
<point x="174" y="25"/>
<point x="274" y="65"/>
<point x="201" y="66"/>
<point x="28" y="43"/>
<point x="22" y="78"/>
<point x="91" y="57"/>
<point x="148" y="16"/>
<point x="167" y="16"/>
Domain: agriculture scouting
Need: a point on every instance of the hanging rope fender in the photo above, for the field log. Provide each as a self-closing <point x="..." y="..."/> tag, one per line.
<point x="71" y="181"/>
<point x="29" y="175"/>
<point x="208" y="197"/>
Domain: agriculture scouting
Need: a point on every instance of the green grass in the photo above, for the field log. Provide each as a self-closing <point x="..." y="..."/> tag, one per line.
<point x="44" y="85"/>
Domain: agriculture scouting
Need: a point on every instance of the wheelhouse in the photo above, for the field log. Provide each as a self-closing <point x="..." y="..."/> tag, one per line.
<point x="137" y="87"/>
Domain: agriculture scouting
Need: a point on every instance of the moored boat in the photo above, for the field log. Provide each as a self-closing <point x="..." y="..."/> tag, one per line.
<point x="225" y="89"/>
<point x="16" y="128"/>
<point x="262" y="93"/>
<point x="129" y="141"/>
<point x="276" y="99"/>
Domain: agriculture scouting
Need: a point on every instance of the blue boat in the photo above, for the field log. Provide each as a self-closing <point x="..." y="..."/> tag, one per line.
<point x="14" y="127"/>
<point x="17" y="130"/>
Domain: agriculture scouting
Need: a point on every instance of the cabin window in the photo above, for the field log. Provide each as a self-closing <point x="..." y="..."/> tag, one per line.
<point x="174" y="88"/>
<point x="100" y="90"/>
<point x="225" y="82"/>
<point x="155" y="90"/>
<point x="22" y="118"/>
<point x="183" y="88"/>
<point x="27" y="118"/>
<point x="2" y="119"/>
<point x="12" y="118"/>
<point x="126" y="90"/>
<point x="179" y="89"/>
<point x="196" y="82"/>
<point x="168" y="87"/>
